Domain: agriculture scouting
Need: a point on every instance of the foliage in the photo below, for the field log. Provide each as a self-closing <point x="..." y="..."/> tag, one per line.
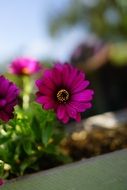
<point x="106" y="18"/>
<point x="30" y="141"/>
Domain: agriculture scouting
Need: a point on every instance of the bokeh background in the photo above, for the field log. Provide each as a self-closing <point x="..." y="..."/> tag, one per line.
<point x="90" y="34"/>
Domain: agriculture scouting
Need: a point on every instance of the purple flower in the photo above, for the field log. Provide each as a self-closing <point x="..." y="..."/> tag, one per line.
<point x="1" y="182"/>
<point x="25" y="66"/>
<point x="86" y="50"/>
<point x="8" y="98"/>
<point x="63" y="88"/>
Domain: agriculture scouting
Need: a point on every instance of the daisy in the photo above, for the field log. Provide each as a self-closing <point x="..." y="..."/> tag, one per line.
<point x="63" y="88"/>
<point x="8" y="98"/>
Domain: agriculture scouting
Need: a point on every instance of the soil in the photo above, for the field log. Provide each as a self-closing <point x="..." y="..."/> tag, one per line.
<point x="87" y="144"/>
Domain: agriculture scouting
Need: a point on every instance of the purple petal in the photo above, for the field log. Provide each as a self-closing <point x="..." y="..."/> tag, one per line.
<point x="71" y="111"/>
<point x="46" y="91"/>
<point x="78" y="117"/>
<point x="80" y="86"/>
<point x="65" y="119"/>
<point x="61" y="111"/>
<point x="43" y="99"/>
<point x="5" y="117"/>
<point x="84" y="96"/>
<point x="49" y="105"/>
<point x="81" y="106"/>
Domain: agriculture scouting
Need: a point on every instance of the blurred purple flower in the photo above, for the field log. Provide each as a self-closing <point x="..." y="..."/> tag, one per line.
<point x="86" y="50"/>
<point x="63" y="88"/>
<point x="8" y="98"/>
<point x="25" y="66"/>
<point x="1" y="182"/>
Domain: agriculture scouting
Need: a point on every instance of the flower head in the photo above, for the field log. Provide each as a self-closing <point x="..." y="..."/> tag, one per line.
<point x="63" y="88"/>
<point x="8" y="98"/>
<point x="25" y="66"/>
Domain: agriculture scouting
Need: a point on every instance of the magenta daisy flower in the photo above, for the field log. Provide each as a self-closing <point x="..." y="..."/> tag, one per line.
<point x="8" y="98"/>
<point x="25" y="66"/>
<point x="63" y="88"/>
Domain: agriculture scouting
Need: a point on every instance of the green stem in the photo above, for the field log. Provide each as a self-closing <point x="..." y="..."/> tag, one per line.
<point x="26" y="91"/>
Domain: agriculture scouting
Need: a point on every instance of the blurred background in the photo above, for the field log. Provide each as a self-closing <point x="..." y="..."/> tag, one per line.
<point x="90" y="34"/>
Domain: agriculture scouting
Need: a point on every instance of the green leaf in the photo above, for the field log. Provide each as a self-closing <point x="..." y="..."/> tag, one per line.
<point x="46" y="134"/>
<point x="1" y="168"/>
<point x="5" y="138"/>
<point x="3" y="153"/>
<point x="36" y="129"/>
<point x="27" y="146"/>
<point x="26" y="164"/>
<point x="51" y="149"/>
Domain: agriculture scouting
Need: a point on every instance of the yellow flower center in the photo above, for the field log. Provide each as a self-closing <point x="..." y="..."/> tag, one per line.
<point x="25" y="70"/>
<point x="62" y="96"/>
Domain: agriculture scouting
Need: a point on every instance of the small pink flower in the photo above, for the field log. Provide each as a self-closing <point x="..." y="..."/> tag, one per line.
<point x="1" y="182"/>
<point x="63" y="88"/>
<point x="8" y="98"/>
<point x="25" y="66"/>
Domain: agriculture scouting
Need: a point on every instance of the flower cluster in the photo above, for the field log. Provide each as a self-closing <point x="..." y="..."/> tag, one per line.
<point x="64" y="89"/>
<point x="33" y="133"/>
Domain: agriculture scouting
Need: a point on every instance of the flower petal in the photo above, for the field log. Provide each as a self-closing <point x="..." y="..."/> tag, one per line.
<point x="81" y="106"/>
<point x="57" y="76"/>
<point x="71" y="111"/>
<point x="61" y="111"/>
<point x="43" y="99"/>
<point x="65" y="119"/>
<point x="83" y="96"/>
<point x="49" y="105"/>
<point x="45" y="91"/>
<point x="80" y="86"/>
<point x="78" y="117"/>
<point x="5" y="116"/>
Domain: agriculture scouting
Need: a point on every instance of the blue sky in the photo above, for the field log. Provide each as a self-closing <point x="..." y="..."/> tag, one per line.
<point x="23" y="30"/>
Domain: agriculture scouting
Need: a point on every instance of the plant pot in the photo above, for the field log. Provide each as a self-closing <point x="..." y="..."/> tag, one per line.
<point x="102" y="172"/>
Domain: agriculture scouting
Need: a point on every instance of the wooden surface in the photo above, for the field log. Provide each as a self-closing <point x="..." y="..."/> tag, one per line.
<point x="107" y="172"/>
